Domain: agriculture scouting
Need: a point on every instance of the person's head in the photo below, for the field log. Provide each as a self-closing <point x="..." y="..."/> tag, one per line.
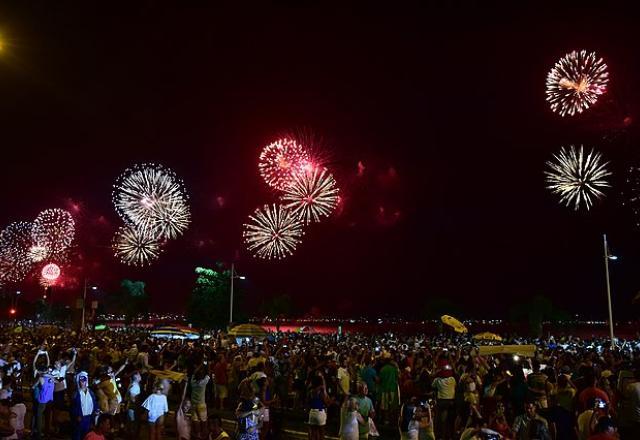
<point x="535" y="366"/>
<point x="352" y="404"/>
<point x="562" y="381"/>
<point x="157" y="387"/>
<point x="531" y="409"/>
<point x="186" y="405"/>
<point x="215" y="425"/>
<point x="363" y="390"/>
<point x="83" y="380"/>
<point x="104" y="423"/>
<point x="136" y="377"/>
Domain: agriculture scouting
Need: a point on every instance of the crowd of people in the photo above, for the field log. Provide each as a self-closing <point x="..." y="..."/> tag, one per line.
<point x="125" y="384"/>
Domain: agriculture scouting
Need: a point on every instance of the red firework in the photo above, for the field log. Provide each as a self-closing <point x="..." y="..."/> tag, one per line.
<point x="281" y="160"/>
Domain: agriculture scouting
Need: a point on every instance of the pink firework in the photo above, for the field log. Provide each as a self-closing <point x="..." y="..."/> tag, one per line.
<point x="281" y="160"/>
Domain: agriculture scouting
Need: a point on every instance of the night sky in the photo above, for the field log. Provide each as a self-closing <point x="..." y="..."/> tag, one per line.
<point x="443" y="107"/>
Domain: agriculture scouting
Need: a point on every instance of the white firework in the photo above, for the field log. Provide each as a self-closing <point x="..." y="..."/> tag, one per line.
<point x="54" y="230"/>
<point x="136" y="247"/>
<point x="575" y="82"/>
<point x="15" y="242"/>
<point x="151" y="197"/>
<point x="273" y="232"/>
<point x="578" y="178"/>
<point x="312" y="194"/>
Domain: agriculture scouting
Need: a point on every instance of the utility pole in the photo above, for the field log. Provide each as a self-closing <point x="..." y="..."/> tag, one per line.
<point x="607" y="256"/>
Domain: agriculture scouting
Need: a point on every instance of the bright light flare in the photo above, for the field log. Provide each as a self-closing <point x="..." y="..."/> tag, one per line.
<point x="51" y="272"/>
<point x="312" y="194"/>
<point x="575" y="82"/>
<point x="136" y="247"/>
<point x="151" y="197"/>
<point x="281" y="160"/>
<point x="577" y="177"/>
<point x="273" y="232"/>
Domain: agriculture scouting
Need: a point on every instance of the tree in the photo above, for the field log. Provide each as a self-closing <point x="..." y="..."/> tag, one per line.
<point x="132" y="300"/>
<point x="537" y="310"/>
<point x="208" y="306"/>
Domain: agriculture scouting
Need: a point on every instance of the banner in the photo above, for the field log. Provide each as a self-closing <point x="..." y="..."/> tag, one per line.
<point x="520" y="350"/>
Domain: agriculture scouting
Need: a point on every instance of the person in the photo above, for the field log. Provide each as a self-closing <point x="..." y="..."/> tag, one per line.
<point x="183" y="425"/>
<point x="83" y="407"/>
<point x="605" y="430"/>
<point x="215" y="429"/>
<point x="350" y="419"/>
<point x="42" y="396"/>
<point x="318" y="401"/>
<point x="369" y="375"/>
<point x="538" y="384"/>
<point x="220" y="374"/>
<point x="408" y="420"/>
<point x="365" y="408"/>
<point x="102" y="428"/>
<point x="199" y="383"/>
<point x="592" y="391"/>
<point x="248" y="412"/>
<point x="344" y="380"/>
<point x="131" y="398"/>
<point x="6" y="430"/>
<point x="18" y="411"/>
<point x="389" y="394"/>
<point x="629" y="408"/>
<point x="156" y="406"/>
<point x="445" y="387"/>
<point x="60" y="368"/>
<point x="525" y="423"/>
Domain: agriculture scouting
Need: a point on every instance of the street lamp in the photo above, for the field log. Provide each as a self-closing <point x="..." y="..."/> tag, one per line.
<point x="607" y="257"/>
<point x="233" y="276"/>
<point x="84" y="302"/>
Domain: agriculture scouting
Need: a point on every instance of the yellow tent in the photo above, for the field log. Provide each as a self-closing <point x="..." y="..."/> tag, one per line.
<point x="454" y="323"/>
<point x="487" y="336"/>
<point x="521" y="350"/>
<point x="248" y="330"/>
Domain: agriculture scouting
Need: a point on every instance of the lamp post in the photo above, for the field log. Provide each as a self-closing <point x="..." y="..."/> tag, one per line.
<point x="84" y="302"/>
<point x="607" y="257"/>
<point x="233" y="276"/>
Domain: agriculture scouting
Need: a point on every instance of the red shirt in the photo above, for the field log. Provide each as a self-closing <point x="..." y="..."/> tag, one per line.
<point x="591" y="393"/>
<point x="220" y="372"/>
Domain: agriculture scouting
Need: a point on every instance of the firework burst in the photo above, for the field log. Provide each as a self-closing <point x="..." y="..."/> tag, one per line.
<point x="578" y="178"/>
<point x="273" y="232"/>
<point x="575" y="82"/>
<point x="15" y="242"/>
<point x="151" y="197"/>
<point x="54" y="230"/>
<point x="281" y="160"/>
<point x="312" y="194"/>
<point x="136" y="247"/>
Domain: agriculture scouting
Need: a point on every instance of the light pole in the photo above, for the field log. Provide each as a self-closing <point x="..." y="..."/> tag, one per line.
<point x="84" y="302"/>
<point x="607" y="257"/>
<point x="233" y="276"/>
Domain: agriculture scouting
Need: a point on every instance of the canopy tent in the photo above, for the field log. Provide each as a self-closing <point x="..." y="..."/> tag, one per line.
<point x="520" y="350"/>
<point x="487" y="336"/>
<point x="174" y="332"/>
<point x="248" y="330"/>
<point x="457" y="326"/>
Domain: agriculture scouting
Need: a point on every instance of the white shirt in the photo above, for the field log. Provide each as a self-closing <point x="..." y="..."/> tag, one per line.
<point x="133" y="392"/>
<point x="86" y="402"/>
<point x="60" y="373"/>
<point x="157" y="406"/>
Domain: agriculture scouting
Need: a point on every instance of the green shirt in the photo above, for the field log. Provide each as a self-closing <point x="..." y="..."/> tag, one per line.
<point x="389" y="379"/>
<point x="364" y="408"/>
